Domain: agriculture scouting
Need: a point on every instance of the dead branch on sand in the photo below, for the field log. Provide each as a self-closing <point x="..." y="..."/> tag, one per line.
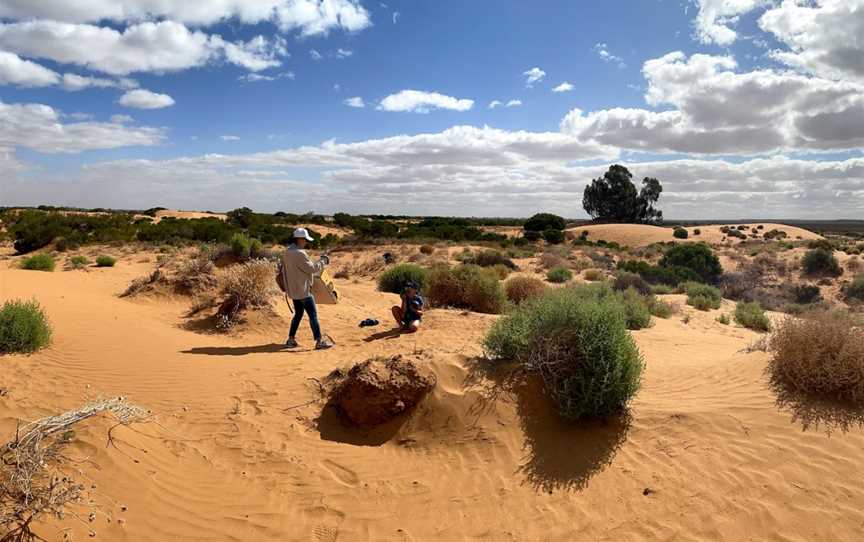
<point x="33" y="483"/>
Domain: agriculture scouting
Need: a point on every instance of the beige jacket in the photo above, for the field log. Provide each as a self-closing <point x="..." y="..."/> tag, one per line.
<point x="299" y="272"/>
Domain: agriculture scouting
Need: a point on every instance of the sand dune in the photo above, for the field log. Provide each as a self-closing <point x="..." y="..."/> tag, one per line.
<point x="637" y="235"/>
<point x="240" y="453"/>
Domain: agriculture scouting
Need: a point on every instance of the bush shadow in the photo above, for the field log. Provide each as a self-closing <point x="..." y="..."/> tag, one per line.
<point x="557" y="454"/>
<point x="817" y="413"/>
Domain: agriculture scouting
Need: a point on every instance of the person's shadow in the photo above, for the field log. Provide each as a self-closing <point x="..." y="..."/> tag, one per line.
<point x="388" y="334"/>
<point x="237" y="350"/>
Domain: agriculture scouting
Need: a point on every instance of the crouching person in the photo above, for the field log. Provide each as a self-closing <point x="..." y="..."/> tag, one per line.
<point x="409" y="315"/>
<point x="300" y="272"/>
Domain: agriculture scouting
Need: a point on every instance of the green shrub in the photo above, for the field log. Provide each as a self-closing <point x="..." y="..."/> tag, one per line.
<point x="637" y="311"/>
<point x="241" y="246"/>
<point x="723" y="319"/>
<point x="806" y="293"/>
<point x="702" y="296"/>
<point x="553" y="236"/>
<point x="559" y="275"/>
<point x="661" y="289"/>
<point x="393" y="280"/>
<point x="105" y="261"/>
<point x="751" y="316"/>
<point x="626" y="280"/>
<point x="520" y="288"/>
<point x="697" y="257"/>
<point x="655" y="274"/>
<point x="256" y="248"/>
<point x="500" y="270"/>
<point x="542" y="222"/>
<point x="23" y="327"/>
<point x="491" y="258"/>
<point x="466" y="287"/>
<point x="579" y="344"/>
<point x="658" y="307"/>
<point x="594" y="275"/>
<point x="78" y="262"/>
<point x="820" y="261"/>
<point x="38" y="262"/>
<point x="854" y="291"/>
<point x="679" y="233"/>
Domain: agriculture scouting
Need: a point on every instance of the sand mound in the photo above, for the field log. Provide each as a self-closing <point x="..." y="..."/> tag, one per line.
<point x="638" y="235"/>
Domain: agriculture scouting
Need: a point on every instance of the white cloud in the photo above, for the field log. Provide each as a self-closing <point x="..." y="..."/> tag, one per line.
<point x="719" y="111"/>
<point x="825" y="38"/>
<point x="563" y="87"/>
<point x="418" y="101"/>
<point x="315" y="54"/>
<point x="24" y="73"/>
<point x="344" y="53"/>
<point x="603" y="51"/>
<point x="257" y="54"/>
<point x="534" y="75"/>
<point x="395" y="17"/>
<point x="716" y="18"/>
<point x="356" y="101"/>
<point x="229" y="138"/>
<point x="38" y="127"/>
<point x="120" y="119"/>
<point x="513" y="103"/>
<point x="75" y="82"/>
<point x="311" y="17"/>
<point x="144" y="99"/>
<point x="259" y="77"/>
<point x="495" y="103"/>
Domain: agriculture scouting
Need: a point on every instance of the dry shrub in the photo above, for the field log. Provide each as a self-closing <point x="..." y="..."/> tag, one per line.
<point x="197" y="273"/>
<point x="821" y="353"/>
<point x="342" y="273"/>
<point x="853" y="264"/>
<point x="467" y="287"/>
<point x="35" y="475"/>
<point x="551" y="261"/>
<point x="427" y="250"/>
<point x="595" y="275"/>
<point x="519" y="289"/>
<point x="244" y="286"/>
<point x="142" y="284"/>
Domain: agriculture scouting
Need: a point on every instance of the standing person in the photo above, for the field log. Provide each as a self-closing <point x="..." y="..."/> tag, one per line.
<point x="299" y="272"/>
<point x="408" y="316"/>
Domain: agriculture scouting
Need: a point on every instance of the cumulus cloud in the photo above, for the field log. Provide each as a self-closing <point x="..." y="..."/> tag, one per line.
<point x="717" y="110"/>
<point x="356" y="101"/>
<point x="75" y="82"/>
<point x="14" y="70"/>
<point x="145" y="99"/>
<point x="39" y="127"/>
<point x="495" y="103"/>
<point x="716" y="18"/>
<point x="534" y="75"/>
<point x="513" y="103"/>
<point x="563" y="87"/>
<point x="419" y="101"/>
<point x="311" y="17"/>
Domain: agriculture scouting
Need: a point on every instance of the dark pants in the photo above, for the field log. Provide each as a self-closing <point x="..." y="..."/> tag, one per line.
<point x="307" y="305"/>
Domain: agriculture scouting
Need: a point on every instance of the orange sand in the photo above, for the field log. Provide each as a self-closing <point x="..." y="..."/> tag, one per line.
<point x="637" y="235"/>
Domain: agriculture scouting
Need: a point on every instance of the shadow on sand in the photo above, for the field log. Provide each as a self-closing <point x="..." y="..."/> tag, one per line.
<point x="388" y="334"/>
<point x="331" y="427"/>
<point x="816" y="413"/>
<point x="557" y="454"/>
<point x="237" y="350"/>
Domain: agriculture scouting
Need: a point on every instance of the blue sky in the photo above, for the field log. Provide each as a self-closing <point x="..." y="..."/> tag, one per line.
<point x="743" y="112"/>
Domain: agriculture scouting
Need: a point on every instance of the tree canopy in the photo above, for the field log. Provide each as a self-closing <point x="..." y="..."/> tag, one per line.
<point x="544" y="221"/>
<point x="614" y="198"/>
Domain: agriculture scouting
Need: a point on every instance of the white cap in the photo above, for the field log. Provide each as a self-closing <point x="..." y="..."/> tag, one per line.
<point x="301" y="232"/>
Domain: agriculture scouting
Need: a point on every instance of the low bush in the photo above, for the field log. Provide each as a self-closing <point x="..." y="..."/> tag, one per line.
<point x="551" y="261"/>
<point x="256" y="248"/>
<point x="393" y="280"/>
<point x="820" y="262"/>
<point x="244" y="286"/>
<point x="697" y="231"/>
<point x="661" y="289"/>
<point x="854" y="291"/>
<point x="697" y="257"/>
<point x="637" y="309"/>
<point x="679" y="233"/>
<point x="625" y="280"/>
<point x="751" y="316"/>
<point x="655" y="274"/>
<point x="491" y="258"/>
<point x="501" y="271"/>
<point x="658" y="307"/>
<point x="467" y="287"/>
<point x="78" y="262"/>
<point x="24" y="328"/>
<point x="519" y="289"/>
<point x="241" y="246"/>
<point x="806" y="293"/>
<point x="702" y="296"/>
<point x="723" y="319"/>
<point x="594" y="275"/>
<point x="105" y="261"/>
<point x="820" y="353"/>
<point x="38" y="262"/>
<point x="589" y="363"/>
<point x="427" y="250"/>
<point x="559" y="275"/>
<point x="553" y="236"/>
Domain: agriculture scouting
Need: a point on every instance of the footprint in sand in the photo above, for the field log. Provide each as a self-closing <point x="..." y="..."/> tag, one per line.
<point x="325" y="533"/>
<point x="342" y="474"/>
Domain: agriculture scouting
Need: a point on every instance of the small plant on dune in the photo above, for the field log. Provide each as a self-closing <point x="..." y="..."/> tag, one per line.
<point x="38" y="262"/>
<point x="559" y="275"/>
<point x="697" y="257"/>
<point x="197" y="273"/>
<point x="553" y="236"/>
<point x="723" y="319"/>
<point x="637" y="309"/>
<point x="549" y="260"/>
<point x="751" y="316"/>
<point x="241" y="246"/>
<point x="594" y="275"/>
<point x="820" y="262"/>
<point x="467" y="287"/>
<point x="256" y="248"/>
<point x="589" y="363"/>
<point x="78" y="262"/>
<point x="428" y="250"/>
<point x="661" y="289"/>
<point x="244" y="286"/>
<point x="820" y="353"/>
<point x="697" y="231"/>
<point x="491" y="258"/>
<point x="24" y="328"/>
<point x="854" y="291"/>
<point x="806" y="293"/>
<point x="679" y="233"/>
<point x="702" y="296"/>
<point x="658" y="307"/>
<point x="501" y="271"/>
<point x="624" y="280"/>
<point x="394" y="279"/>
<point x="519" y="289"/>
<point x="105" y="261"/>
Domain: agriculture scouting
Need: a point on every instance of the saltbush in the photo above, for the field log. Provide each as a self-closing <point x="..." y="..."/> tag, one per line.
<point x="241" y="246"/>
<point x="467" y="287"/>
<point x="751" y="316"/>
<point x="579" y="344"/>
<point x="702" y="296"/>
<point x="679" y="233"/>
<point x="105" y="261"/>
<point x="256" y="248"/>
<point x="697" y="257"/>
<point x="655" y="274"/>
<point x="820" y="353"/>
<point x="23" y="327"/>
<point x="38" y="262"/>
<point x="822" y="262"/>
<point x="854" y="291"/>
<point x="78" y="262"/>
<point x="393" y="280"/>
<point x="521" y="288"/>
<point x="559" y="275"/>
<point x="491" y="258"/>
<point x="594" y="275"/>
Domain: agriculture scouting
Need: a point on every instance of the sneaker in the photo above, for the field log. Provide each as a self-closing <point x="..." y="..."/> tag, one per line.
<point x="323" y="344"/>
<point x="291" y="343"/>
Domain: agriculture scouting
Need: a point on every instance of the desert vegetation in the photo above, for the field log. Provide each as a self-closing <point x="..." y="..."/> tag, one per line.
<point x="24" y="327"/>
